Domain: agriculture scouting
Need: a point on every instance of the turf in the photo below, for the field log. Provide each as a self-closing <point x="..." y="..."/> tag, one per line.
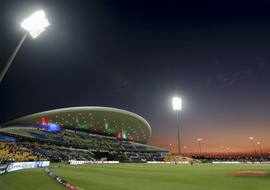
<point x="141" y="177"/>
<point x="163" y="177"/>
<point x="28" y="180"/>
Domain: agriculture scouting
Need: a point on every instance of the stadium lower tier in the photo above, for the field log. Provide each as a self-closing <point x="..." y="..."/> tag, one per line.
<point x="69" y="144"/>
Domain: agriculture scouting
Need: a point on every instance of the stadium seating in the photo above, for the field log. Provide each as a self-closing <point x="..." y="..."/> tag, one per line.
<point x="10" y="152"/>
<point x="79" y="145"/>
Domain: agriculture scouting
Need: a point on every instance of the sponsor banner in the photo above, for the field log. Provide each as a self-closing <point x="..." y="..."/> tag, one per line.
<point x="27" y="165"/>
<point x="159" y="162"/>
<point x="266" y="162"/>
<point x="79" y="162"/>
<point x="107" y="162"/>
<point x="226" y="162"/>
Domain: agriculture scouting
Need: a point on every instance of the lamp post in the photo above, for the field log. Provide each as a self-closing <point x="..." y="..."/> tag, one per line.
<point x="185" y="150"/>
<point x="199" y="140"/>
<point x="177" y="106"/>
<point x="260" y="147"/>
<point x="253" y="144"/>
<point x="34" y="25"/>
<point x="228" y="149"/>
<point x="170" y="146"/>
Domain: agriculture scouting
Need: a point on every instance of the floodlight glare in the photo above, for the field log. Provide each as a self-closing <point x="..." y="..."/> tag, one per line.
<point x="177" y="103"/>
<point x="36" y="23"/>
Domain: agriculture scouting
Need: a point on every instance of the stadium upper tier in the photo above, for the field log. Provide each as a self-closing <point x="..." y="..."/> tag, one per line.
<point x="97" y="120"/>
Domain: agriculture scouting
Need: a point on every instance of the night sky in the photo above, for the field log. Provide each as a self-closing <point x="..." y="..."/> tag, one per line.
<point x="136" y="55"/>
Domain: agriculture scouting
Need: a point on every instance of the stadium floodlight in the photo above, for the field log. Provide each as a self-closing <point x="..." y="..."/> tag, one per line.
<point x="170" y="145"/>
<point x="199" y="140"/>
<point x="185" y="148"/>
<point x="260" y="147"/>
<point x="177" y="103"/>
<point x="253" y="143"/>
<point x="177" y="106"/>
<point x="36" y="23"/>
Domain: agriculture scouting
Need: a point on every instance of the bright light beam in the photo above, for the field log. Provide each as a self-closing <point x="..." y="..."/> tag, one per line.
<point x="36" y="23"/>
<point x="177" y="103"/>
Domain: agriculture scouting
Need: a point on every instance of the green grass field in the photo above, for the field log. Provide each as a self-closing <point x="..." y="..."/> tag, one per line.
<point x="28" y="180"/>
<point x="141" y="176"/>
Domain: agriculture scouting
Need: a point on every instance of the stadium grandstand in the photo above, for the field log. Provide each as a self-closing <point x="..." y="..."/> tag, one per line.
<point x="79" y="133"/>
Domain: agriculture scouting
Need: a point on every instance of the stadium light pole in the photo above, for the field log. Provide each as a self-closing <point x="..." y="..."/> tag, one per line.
<point x="253" y="144"/>
<point x="34" y="25"/>
<point x="170" y="146"/>
<point x="177" y="106"/>
<point x="228" y="149"/>
<point x="199" y="140"/>
<point x="260" y="147"/>
<point x="185" y="149"/>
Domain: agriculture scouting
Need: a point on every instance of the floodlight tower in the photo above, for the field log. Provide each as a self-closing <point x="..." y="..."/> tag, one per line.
<point x="177" y="106"/>
<point x="199" y="140"/>
<point x="171" y="148"/>
<point x="253" y="144"/>
<point x="185" y="149"/>
<point x="34" y="25"/>
<point x="260" y="147"/>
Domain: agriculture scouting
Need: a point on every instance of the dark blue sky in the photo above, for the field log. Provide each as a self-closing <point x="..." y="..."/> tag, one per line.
<point x="137" y="55"/>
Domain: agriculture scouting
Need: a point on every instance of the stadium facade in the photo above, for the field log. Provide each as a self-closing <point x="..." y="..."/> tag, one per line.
<point x="83" y="133"/>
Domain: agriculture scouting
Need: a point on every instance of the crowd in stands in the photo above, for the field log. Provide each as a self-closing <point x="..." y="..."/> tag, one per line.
<point x="75" y="145"/>
<point x="10" y="152"/>
<point x="25" y="151"/>
<point x="58" y="153"/>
